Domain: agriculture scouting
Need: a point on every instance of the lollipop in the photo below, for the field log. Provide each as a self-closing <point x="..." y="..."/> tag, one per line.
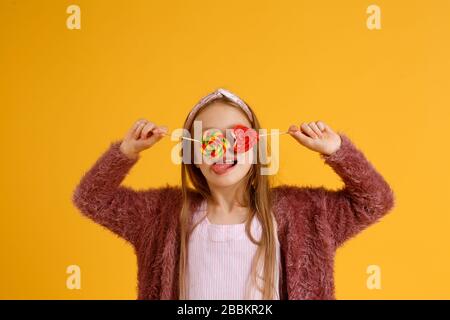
<point x="214" y="144"/>
<point x="244" y="138"/>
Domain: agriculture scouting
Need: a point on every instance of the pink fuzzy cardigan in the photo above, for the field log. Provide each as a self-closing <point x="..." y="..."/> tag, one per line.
<point x="312" y="221"/>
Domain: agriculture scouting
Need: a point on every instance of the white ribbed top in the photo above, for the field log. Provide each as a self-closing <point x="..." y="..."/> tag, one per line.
<point x="220" y="260"/>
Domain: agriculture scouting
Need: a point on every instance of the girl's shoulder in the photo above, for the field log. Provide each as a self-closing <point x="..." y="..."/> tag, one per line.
<point x="170" y="197"/>
<point x="289" y="193"/>
<point x="294" y="199"/>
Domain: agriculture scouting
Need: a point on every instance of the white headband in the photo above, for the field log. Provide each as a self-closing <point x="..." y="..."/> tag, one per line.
<point x="219" y="93"/>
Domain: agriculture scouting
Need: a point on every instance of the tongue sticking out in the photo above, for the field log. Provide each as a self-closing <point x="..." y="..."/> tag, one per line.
<point x="221" y="168"/>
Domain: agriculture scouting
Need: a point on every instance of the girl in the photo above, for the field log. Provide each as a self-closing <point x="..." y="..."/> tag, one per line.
<point x="226" y="233"/>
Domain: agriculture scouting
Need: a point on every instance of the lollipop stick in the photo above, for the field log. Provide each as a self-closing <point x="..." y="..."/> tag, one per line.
<point x="274" y="133"/>
<point x="190" y="139"/>
<point x="185" y="138"/>
<point x="261" y="135"/>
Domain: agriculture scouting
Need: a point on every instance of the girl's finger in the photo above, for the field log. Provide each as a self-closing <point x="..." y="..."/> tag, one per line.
<point x="160" y="130"/>
<point x="137" y="132"/>
<point x="132" y="129"/>
<point x="293" y="128"/>
<point x="302" y="138"/>
<point x="306" y="129"/>
<point x="147" y="129"/>
<point x="321" y="125"/>
<point x="155" y="137"/>
<point x="327" y="127"/>
<point x="316" y="129"/>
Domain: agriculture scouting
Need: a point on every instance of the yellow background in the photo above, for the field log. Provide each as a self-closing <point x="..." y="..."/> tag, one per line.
<point x="66" y="94"/>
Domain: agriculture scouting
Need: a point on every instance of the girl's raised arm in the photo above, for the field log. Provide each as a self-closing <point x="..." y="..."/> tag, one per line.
<point x="364" y="199"/>
<point x="366" y="196"/>
<point x="99" y="195"/>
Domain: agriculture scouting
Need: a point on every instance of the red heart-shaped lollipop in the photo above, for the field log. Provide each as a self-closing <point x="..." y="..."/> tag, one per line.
<point x="244" y="138"/>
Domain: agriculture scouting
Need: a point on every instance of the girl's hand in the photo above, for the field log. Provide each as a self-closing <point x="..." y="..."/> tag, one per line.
<point x="142" y="135"/>
<point x="316" y="136"/>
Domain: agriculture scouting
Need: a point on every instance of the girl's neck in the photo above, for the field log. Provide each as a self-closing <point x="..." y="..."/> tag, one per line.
<point x="225" y="207"/>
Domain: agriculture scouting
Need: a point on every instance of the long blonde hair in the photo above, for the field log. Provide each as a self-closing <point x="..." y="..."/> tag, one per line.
<point x="257" y="199"/>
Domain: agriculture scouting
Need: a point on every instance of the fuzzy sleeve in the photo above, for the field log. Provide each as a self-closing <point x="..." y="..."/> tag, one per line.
<point x="120" y="209"/>
<point x="363" y="200"/>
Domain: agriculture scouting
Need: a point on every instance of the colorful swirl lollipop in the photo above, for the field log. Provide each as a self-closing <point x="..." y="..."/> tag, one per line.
<point x="214" y="144"/>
